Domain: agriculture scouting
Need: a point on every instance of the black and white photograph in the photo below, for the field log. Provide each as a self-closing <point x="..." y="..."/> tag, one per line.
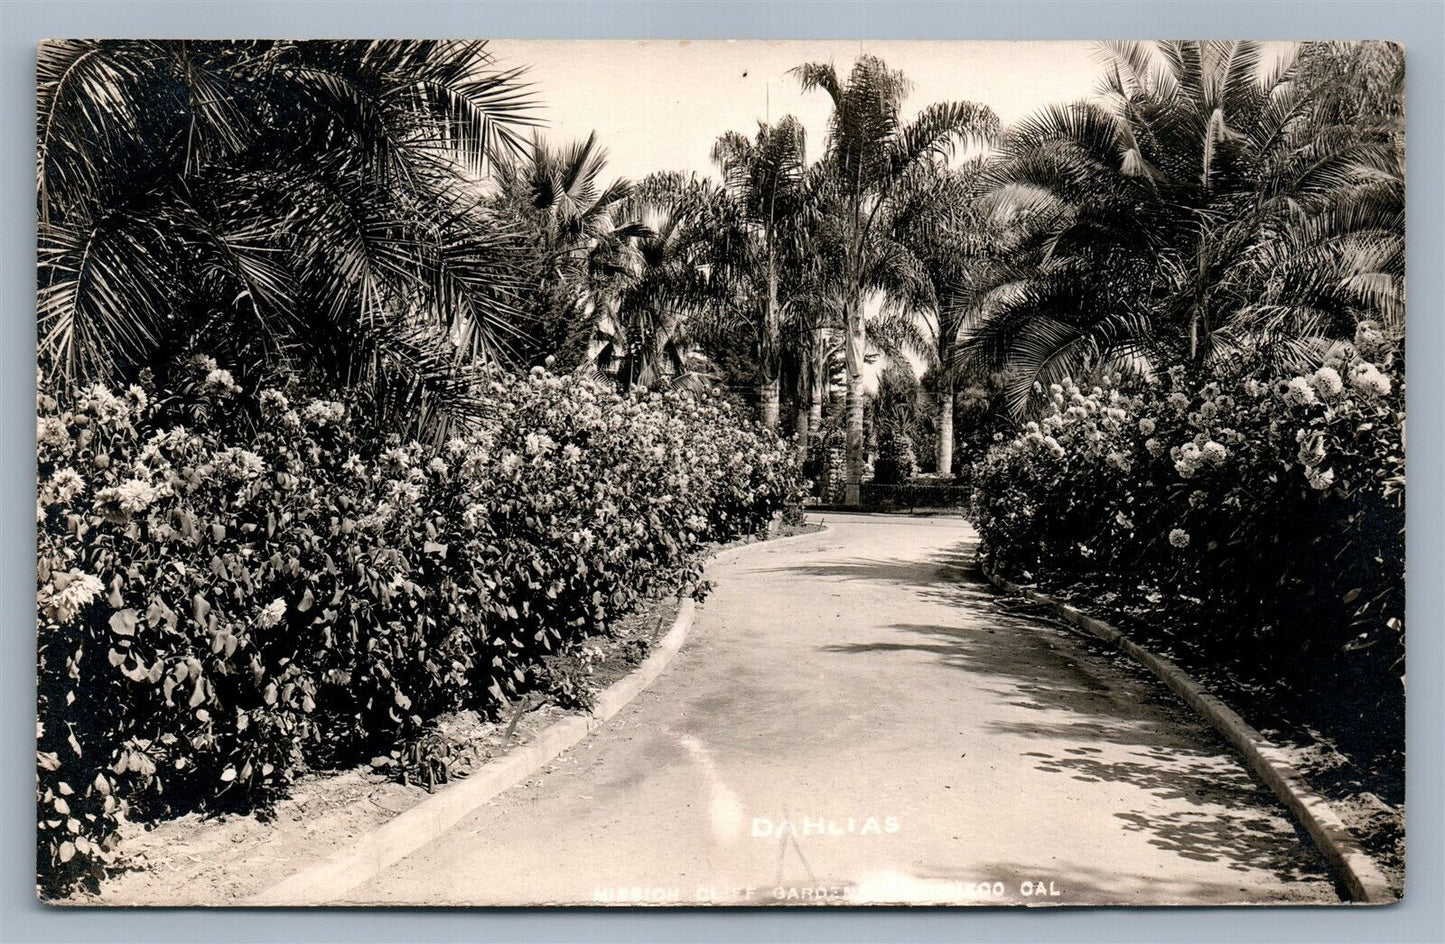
<point x="700" y="474"/>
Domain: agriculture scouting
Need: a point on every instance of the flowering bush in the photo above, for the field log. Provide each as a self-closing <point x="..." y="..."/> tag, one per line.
<point x="1267" y="509"/>
<point x="219" y="610"/>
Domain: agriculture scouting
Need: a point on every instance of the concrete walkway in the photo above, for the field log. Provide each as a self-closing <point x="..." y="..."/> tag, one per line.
<point x="854" y="720"/>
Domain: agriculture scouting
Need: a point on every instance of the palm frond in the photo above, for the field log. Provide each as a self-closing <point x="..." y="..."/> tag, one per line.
<point x="271" y="196"/>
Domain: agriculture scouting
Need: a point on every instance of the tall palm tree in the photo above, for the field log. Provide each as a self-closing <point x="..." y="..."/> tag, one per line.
<point x="765" y="176"/>
<point x="310" y="203"/>
<point x="870" y="150"/>
<point x="1197" y="208"/>
<point x="968" y="244"/>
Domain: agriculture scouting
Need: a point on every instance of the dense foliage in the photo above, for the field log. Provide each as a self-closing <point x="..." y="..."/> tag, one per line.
<point x="900" y="414"/>
<point x="871" y="155"/>
<point x="311" y="203"/>
<point x="1262" y="509"/>
<point x="1206" y="202"/>
<point x="219" y="610"/>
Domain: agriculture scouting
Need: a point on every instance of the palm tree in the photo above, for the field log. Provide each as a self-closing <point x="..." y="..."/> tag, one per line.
<point x="870" y="150"/>
<point x="660" y="281"/>
<point x="311" y="204"/>
<point x="1198" y="209"/>
<point x="967" y="243"/>
<point x="765" y="177"/>
<point x="576" y="227"/>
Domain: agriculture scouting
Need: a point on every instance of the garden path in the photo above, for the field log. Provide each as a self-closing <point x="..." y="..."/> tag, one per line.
<point x="926" y="744"/>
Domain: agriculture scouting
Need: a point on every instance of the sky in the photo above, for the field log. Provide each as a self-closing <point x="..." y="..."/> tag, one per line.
<point x="660" y="104"/>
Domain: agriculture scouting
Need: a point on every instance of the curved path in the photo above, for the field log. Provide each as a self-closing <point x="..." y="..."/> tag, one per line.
<point x="925" y="744"/>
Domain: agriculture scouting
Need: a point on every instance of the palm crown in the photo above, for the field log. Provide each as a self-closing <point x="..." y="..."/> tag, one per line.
<point x="871" y="150"/>
<point x="763" y="243"/>
<point x="1198" y="209"/>
<point x="305" y="203"/>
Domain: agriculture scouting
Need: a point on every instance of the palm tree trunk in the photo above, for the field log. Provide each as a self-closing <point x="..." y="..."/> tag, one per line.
<point x="768" y="397"/>
<point x="944" y="465"/>
<point x="802" y="390"/>
<point x="815" y="407"/>
<point x="819" y="387"/>
<point x="853" y="444"/>
<point x="769" y="389"/>
<point x="853" y="449"/>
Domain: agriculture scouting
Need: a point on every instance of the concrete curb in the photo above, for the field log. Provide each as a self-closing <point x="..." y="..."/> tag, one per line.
<point x="328" y="881"/>
<point x="1359" y="873"/>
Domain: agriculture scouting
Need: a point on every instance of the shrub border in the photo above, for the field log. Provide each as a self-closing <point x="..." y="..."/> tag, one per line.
<point x="1361" y="876"/>
<point x="369" y="855"/>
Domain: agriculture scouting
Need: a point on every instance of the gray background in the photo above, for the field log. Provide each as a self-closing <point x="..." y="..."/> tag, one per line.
<point x="1420" y="25"/>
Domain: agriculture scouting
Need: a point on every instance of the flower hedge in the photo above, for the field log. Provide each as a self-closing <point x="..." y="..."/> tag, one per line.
<point x="1265" y="510"/>
<point x="219" y="610"/>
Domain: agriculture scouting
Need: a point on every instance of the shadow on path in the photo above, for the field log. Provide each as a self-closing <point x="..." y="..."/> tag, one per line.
<point x="1089" y="713"/>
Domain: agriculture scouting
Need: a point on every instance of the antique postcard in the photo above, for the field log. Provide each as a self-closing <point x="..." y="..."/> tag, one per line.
<point x="666" y="473"/>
